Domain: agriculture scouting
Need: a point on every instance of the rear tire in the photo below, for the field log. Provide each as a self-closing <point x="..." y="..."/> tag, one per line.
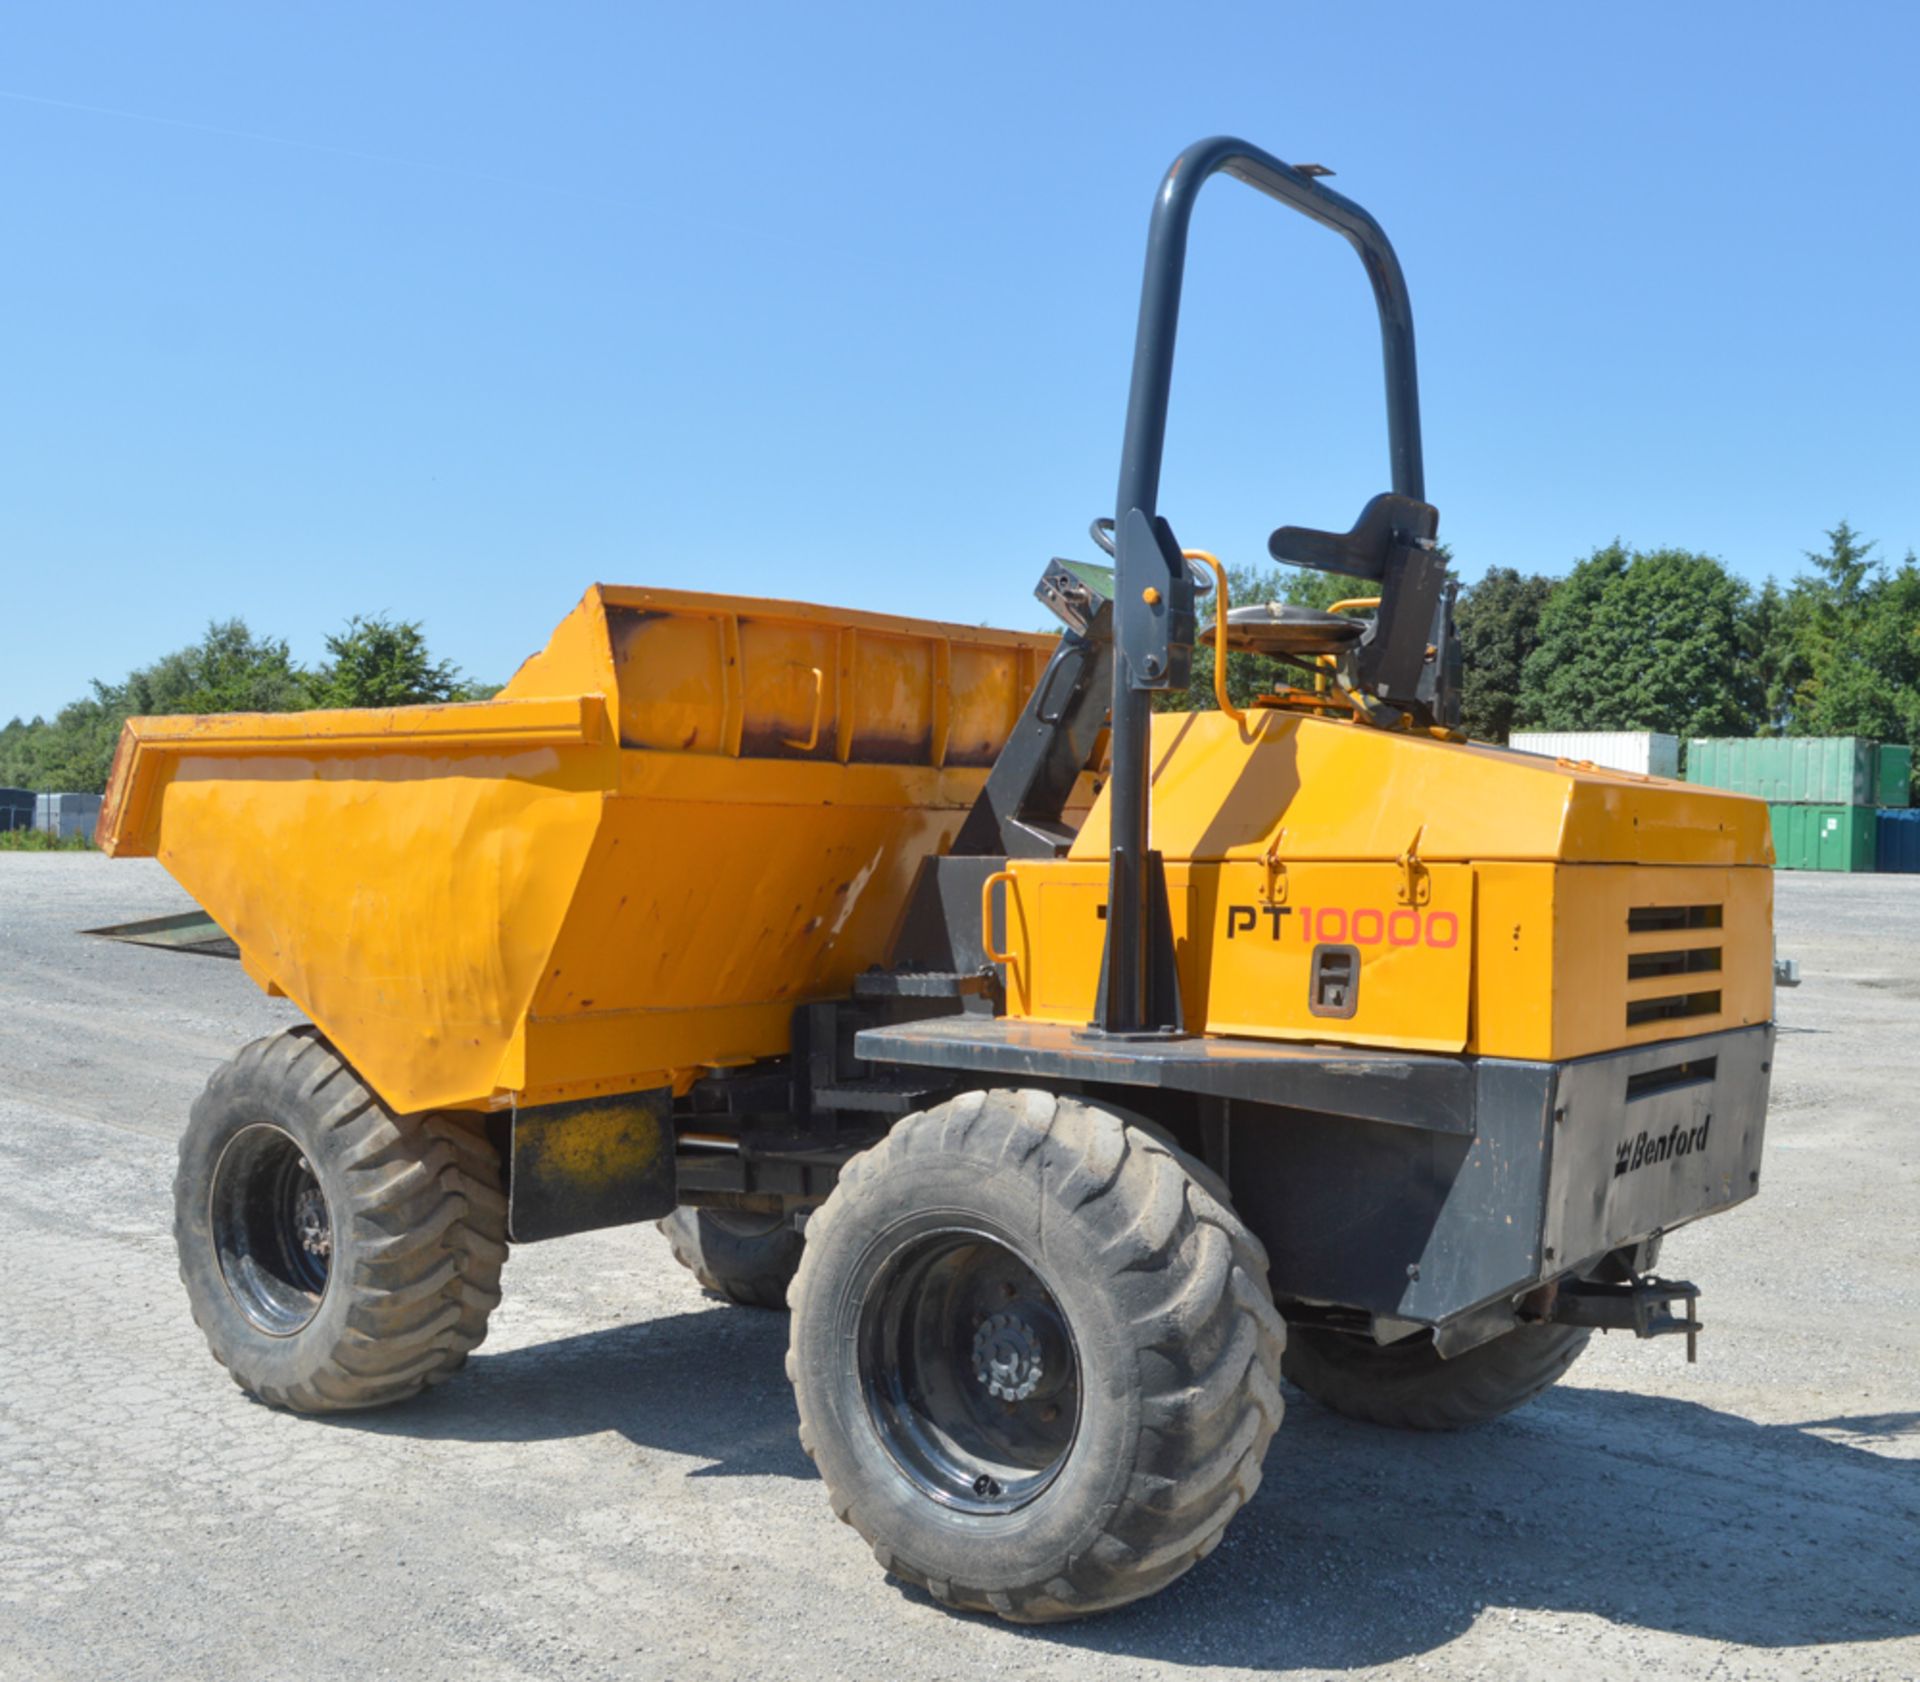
<point x="1035" y="1356"/>
<point x="745" y="1257"/>
<point x="336" y="1255"/>
<point x="1409" y="1386"/>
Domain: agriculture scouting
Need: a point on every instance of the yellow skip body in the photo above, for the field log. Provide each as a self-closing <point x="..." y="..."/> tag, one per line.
<point x="685" y="816"/>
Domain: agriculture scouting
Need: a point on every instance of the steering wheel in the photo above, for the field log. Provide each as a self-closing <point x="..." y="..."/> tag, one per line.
<point x="1101" y="531"/>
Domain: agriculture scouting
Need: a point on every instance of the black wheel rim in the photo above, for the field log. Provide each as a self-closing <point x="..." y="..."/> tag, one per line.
<point x="969" y="1370"/>
<point x="272" y="1229"/>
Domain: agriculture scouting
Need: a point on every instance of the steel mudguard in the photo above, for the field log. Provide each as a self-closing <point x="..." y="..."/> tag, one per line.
<point x="1646" y="1140"/>
<point x="1564" y="1163"/>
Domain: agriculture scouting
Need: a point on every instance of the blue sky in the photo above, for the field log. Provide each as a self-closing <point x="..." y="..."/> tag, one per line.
<point x="447" y="310"/>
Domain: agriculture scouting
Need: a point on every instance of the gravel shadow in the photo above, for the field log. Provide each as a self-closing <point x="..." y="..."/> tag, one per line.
<point x="1366" y="1545"/>
<point x="1363" y="1545"/>
<point x="710" y="1383"/>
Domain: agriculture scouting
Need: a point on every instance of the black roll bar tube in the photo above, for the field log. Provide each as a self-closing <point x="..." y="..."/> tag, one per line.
<point x="1126" y="1007"/>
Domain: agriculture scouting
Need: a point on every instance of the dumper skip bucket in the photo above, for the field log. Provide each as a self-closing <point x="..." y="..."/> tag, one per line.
<point x="683" y="818"/>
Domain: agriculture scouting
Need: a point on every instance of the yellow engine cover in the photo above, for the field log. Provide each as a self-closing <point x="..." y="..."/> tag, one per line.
<point x="1479" y="900"/>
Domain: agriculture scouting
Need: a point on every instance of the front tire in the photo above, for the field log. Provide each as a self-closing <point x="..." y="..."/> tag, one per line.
<point x="336" y="1255"/>
<point x="1410" y="1387"/>
<point x="1035" y="1355"/>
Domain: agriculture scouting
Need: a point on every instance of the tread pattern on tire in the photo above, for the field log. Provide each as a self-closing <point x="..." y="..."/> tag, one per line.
<point x="427" y="1205"/>
<point x="1193" y="1282"/>
<point x="1415" y="1390"/>
<point x="764" y="1285"/>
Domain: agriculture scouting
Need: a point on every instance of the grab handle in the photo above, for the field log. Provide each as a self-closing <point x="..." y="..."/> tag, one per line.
<point x="819" y="703"/>
<point x="994" y="956"/>
<point x="1220" y="697"/>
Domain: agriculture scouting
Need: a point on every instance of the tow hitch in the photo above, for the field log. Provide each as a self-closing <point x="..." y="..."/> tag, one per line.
<point x="1642" y="1305"/>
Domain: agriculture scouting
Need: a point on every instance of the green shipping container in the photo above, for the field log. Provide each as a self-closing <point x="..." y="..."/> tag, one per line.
<point x="1893" y="775"/>
<point x="1812" y="770"/>
<point x="1823" y="837"/>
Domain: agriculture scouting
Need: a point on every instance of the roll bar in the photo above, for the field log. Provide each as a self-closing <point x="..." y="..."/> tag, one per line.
<point x="1153" y="603"/>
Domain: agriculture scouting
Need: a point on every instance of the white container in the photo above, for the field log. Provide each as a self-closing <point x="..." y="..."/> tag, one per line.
<point x="1646" y="751"/>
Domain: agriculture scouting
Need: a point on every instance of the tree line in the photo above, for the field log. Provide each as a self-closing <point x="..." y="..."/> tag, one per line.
<point x="1660" y="639"/>
<point x="373" y="662"/>
<point x="1629" y="639"/>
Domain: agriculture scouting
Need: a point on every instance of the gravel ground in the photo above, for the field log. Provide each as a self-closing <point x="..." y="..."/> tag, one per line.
<point x="613" y="1488"/>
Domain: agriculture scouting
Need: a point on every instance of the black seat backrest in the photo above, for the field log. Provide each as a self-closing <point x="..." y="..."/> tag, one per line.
<point x="1386" y="523"/>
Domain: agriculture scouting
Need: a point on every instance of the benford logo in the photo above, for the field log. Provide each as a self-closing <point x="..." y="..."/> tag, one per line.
<point x="1659" y="1147"/>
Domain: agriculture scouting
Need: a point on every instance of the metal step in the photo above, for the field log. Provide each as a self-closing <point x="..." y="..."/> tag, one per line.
<point x="921" y="984"/>
<point x="893" y="1094"/>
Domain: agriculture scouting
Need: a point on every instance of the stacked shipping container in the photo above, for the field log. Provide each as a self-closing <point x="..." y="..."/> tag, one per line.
<point x="66" y="815"/>
<point x="1829" y="795"/>
<point x="62" y="815"/>
<point x="1893" y="775"/>
<point x="1823" y="837"/>
<point x="1645" y="751"/>
<point x="1897" y="841"/>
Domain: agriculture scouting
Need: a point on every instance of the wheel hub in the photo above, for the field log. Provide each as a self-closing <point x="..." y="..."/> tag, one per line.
<point x="1007" y="1357"/>
<point x="310" y="1220"/>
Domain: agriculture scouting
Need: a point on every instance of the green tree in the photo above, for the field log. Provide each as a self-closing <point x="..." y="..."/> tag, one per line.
<point x="72" y="750"/>
<point x="1813" y="628"/>
<point x="228" y="670"/>
<point x="1845" y="569"/>
<point x="1320" y="590"/>
<point x="379" y="662"/>
<point x="1248" y="675"/>
<point x="1644" y="640"/>
<point x="1251" y="675"/>
<point x="1863" y="662"/>
<point x="1777" y="644"/>
<point x="1839" y="649"/>
<point x="1497" y="620"/>
<point x="374" y="662"/>
<point x="1844" y="650"/>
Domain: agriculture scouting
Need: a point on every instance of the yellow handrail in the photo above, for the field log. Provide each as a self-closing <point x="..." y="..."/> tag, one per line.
<point x="1220" y="696"/>
<point x="1010" y="959"/>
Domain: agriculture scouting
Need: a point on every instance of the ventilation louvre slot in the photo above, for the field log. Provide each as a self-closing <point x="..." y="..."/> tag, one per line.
<point x="1689" y="960"/>
<point x="1695" y="1071"/>
<point x="1675" y="944"/>
<point x="1656" y="919"/>
<point x="1642" y="1011"/>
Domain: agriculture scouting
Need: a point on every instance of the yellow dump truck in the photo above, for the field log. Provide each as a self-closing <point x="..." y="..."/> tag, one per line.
<point x="1075" y="1070"/>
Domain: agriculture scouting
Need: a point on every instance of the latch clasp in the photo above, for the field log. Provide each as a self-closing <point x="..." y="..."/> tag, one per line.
<point x="1416" y="886"/>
